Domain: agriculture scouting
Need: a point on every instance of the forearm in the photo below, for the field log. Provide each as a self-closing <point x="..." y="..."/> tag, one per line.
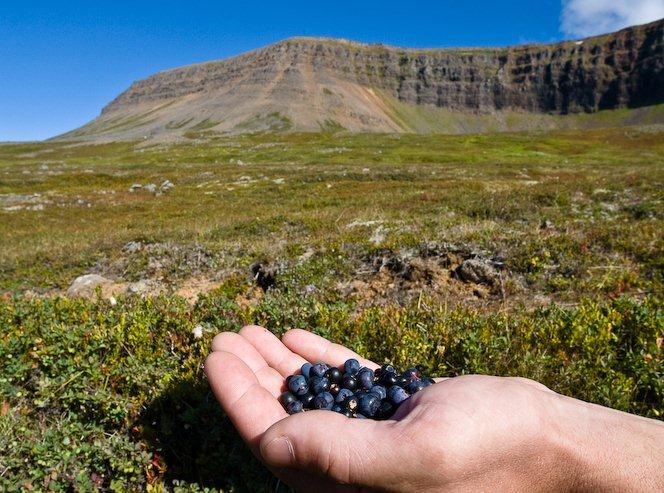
<point x="612" y="450"/>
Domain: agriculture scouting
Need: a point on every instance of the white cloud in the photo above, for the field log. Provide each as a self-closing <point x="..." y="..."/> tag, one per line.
<point x="582" y="18"/>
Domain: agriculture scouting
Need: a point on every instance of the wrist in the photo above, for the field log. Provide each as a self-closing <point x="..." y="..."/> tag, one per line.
<point x="608" y="450"/>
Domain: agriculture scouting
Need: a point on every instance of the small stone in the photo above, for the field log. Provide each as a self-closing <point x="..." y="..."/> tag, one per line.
<point x="197" y="332"/>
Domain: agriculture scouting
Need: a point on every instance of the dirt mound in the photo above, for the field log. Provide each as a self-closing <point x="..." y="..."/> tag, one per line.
<point x="438" y="270"/>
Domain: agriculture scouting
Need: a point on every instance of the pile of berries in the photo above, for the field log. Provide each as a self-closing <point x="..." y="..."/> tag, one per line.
<point x="355" y="392"/>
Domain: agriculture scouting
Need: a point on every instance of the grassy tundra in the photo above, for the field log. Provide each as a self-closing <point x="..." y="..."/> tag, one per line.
<point x="364" y="235"/>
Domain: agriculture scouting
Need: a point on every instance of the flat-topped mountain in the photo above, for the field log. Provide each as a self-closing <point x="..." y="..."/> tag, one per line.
<point x="311" y="84"/>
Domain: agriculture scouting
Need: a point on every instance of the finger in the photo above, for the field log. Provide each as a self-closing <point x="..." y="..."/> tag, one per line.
<point x="350" y="451"/>
<point x="234" y="343"/>
<point x="272" y="349"/>
<point x="251" y="408"/>
<point x="316" y="348"/>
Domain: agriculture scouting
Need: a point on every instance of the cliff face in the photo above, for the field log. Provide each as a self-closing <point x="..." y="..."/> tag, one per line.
<point x="307" y="83"/>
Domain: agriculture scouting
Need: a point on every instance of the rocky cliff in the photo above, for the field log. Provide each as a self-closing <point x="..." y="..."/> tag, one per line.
<point x="313" y="84"/>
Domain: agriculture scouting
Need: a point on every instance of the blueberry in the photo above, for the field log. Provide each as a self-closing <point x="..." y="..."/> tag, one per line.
<point x="337" y="409"/>
<point x="360" y="416"/>
<point x="411" y="374"/>
<point x="348" y="382"/>
<point x="306" y="368"/>
<point x="307" y="400"/>
<point x="286" y="398"/>
<point x="318" y="370"/>
<point x="351" y="403"/>
<point x="379" y="390"/>
<point x="297" y="384"/>
<point x="368" y="404"/>
<point x="348" y="413"/>
<point x="397" y="395"/>
<point x="365" y="378"/>
<point x="402" y="381"/>
<point x="294" y="407"/>
<point x="415" y="386"/>
<point x="324" y="400"/>
<point x="386" y="368"/>
<point x="333" y="375"/>
<point x="351" y="366"/>
<point x="388" y="379"/>
<point x="385" y="410"/>
<point x="334" y="389"/>
<point x="319" y="384"/>
<point x="343" y="395"/>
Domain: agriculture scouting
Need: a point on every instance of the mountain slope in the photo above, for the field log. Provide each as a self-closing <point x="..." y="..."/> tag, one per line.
<point x="322" y="84"/>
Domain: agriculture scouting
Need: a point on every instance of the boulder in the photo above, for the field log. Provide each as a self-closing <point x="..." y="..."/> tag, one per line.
<point x="85" y="285"/>
<point x="478" y="270"/>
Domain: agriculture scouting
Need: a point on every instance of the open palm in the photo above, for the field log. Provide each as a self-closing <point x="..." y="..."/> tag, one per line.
<point x="465" y="433"/>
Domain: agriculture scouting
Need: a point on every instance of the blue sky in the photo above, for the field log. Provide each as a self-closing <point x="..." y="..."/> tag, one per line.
<point x="61" y="62"/>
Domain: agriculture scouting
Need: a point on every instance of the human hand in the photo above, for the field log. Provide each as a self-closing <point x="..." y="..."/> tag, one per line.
<point x="465" y="433"/>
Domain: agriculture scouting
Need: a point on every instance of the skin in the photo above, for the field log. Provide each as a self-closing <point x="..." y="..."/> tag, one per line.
<point x="470" y="433"/>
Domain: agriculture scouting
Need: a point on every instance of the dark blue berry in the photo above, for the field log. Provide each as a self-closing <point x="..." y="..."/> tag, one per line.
<point x="343" y="395"/>
<point x="379" y="390"/>
<point x="365" y="378"/>
<point x="348" y="382"/>
<point x="306" y="368"/>
<point x="319" y="384"/>
<point x="386" y="368"/>
<point x="388" y="379"/>
<point x="385" y="410"/>
<point x="297" y="384"/>
<point x="368" y="404"/>
<point x="294" y="407"/>
<point x="415" y="386"/>
<point x="318" y="370"/>
<point x="333" y="375"/>
<point x="324" y="400"/>
<point x="307" y="400"/>
<point x="402" y="381"/>
<point x="286" y="398"/>
<point x="351" y="366"/>
<point x="411" y="374"/>
<point x="337" y="408"/>
<point x="351" y="403"/>
<point x="360" y="416"/>
<point x="397" y="395"/>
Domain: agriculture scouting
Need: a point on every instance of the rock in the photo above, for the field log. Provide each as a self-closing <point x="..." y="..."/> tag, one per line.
<point x="134" y="187"/>
<point x="84" y="286"/>
<point x="478" y="270"/>
<point x="132" y="246"/>
<point x="166" y="186"/>
<point x="141" y="287"/>
<point x="150" y="187"/>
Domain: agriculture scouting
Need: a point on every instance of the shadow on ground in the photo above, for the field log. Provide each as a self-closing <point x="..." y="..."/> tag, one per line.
<point x="195" y="442"/>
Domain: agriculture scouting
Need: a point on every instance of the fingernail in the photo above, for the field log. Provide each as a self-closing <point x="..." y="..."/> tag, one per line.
<point x="279" y="452"/>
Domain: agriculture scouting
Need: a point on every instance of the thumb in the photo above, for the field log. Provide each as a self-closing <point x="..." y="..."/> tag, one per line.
<point x="351" y="451"/>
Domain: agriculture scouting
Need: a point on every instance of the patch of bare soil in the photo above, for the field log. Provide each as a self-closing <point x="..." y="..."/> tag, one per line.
<point x="444" y="271"/>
